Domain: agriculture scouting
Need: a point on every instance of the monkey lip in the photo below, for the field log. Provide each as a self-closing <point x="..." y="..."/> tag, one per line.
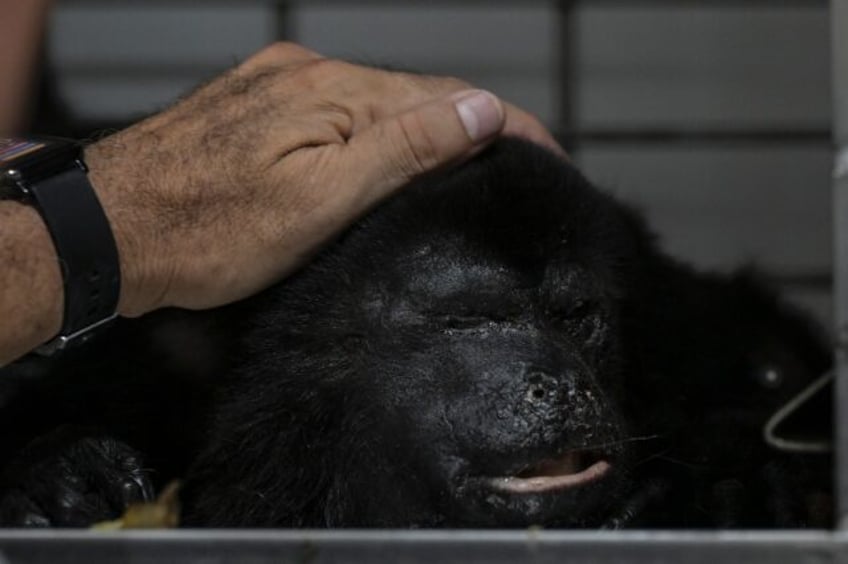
<point x="566" y="472"/>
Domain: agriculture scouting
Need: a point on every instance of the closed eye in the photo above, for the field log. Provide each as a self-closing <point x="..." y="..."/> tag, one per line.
<point x="465" y="321"/>
<point x="576" y="310"/>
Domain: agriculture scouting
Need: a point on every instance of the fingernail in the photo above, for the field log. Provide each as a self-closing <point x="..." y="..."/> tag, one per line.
<point x="481" y="113"/>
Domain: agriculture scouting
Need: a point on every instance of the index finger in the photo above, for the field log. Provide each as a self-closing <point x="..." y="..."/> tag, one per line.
<point x="520" y="123"/>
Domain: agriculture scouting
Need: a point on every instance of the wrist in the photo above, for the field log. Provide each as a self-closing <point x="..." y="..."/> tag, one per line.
<point x="111" y="176"/>
<point x="48" y="175"/>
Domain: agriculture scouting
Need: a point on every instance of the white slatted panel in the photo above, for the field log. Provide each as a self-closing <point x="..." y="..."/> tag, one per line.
<point x="660" y="65"/>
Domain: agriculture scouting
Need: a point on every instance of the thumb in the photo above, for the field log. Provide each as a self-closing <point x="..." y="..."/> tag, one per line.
<point x="435" y="134"/>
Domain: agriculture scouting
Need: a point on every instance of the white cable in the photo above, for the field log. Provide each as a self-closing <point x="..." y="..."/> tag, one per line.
<point x="811" y="446"/>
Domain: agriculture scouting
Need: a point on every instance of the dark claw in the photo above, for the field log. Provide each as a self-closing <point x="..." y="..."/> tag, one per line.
<point x="636" y="504"/>
<point x="72" y="479"/>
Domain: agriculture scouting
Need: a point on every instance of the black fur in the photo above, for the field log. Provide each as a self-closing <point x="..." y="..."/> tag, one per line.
<point x="481" y="325"/>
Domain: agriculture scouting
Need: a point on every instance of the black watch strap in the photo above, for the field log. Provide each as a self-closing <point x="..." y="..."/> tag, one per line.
<point x="87" y="252"/>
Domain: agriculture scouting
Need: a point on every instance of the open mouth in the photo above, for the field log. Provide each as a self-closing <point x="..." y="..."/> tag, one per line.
<point x="572" y="470"/>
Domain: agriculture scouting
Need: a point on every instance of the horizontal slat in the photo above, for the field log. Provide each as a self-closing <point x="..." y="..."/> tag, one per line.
<point x="123" y="100"/>
<point x="139" y="34"/>
<point x="718" y="136"/>
<point x="515" y="35"/>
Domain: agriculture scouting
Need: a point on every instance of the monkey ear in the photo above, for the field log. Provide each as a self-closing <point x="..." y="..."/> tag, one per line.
<point x="798" y="426"/>
<point x="804" y="423"/>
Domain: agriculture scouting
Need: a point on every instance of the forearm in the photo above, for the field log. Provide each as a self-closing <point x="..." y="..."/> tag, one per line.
<point x="31" y="299"/>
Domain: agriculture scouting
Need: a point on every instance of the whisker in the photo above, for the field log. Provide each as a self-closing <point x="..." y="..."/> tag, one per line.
<point x="626" y="440"/>
<point x="680" y="462"/>
<point x="662" y="455"/>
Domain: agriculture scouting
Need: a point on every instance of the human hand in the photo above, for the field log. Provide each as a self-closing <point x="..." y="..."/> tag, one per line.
<point x="241" y="182"/>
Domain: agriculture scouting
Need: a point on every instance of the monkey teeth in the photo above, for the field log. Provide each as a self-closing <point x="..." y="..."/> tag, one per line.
<point x="561" y="474"/>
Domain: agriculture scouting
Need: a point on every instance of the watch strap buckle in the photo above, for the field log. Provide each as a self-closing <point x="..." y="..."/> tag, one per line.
<point x="61" y="342"/>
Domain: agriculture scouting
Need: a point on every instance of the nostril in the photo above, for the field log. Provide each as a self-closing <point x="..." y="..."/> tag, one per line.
<point x="540" y="387"/>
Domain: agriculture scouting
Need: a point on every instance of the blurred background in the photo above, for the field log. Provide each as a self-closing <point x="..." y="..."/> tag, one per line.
<point x="713" y="116"/>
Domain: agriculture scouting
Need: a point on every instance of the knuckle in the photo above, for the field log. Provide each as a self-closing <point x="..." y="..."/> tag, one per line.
<point x="280" y="53"/>
<point x="267" y="54"/>
<point x="277" y="49"/>
<point x="319" y="73"/>
<point x="284" y="50"/>
<point x="319" y="68"/>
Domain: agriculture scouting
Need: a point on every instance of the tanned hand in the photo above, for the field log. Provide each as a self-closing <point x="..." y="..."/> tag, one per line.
<point x="241" y="182"/>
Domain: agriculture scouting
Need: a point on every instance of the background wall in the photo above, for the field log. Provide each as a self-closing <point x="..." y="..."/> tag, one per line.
<point x="713" y="116"/>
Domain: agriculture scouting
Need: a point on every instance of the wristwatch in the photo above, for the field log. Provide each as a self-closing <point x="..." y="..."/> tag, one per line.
<point x="50" y="175"/>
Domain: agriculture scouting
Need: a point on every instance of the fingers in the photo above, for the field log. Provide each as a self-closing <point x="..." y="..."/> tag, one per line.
<point x="437" y="133"/>
<point x="410" y="90"/>
<point x="407" y="91"/>
<point x="371" y="95"/>
<point x="523" y="124"/>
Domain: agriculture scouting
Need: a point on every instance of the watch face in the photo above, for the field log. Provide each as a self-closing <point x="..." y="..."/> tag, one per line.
<point x="35" y="159"/>
<point x="13" y="149"/>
